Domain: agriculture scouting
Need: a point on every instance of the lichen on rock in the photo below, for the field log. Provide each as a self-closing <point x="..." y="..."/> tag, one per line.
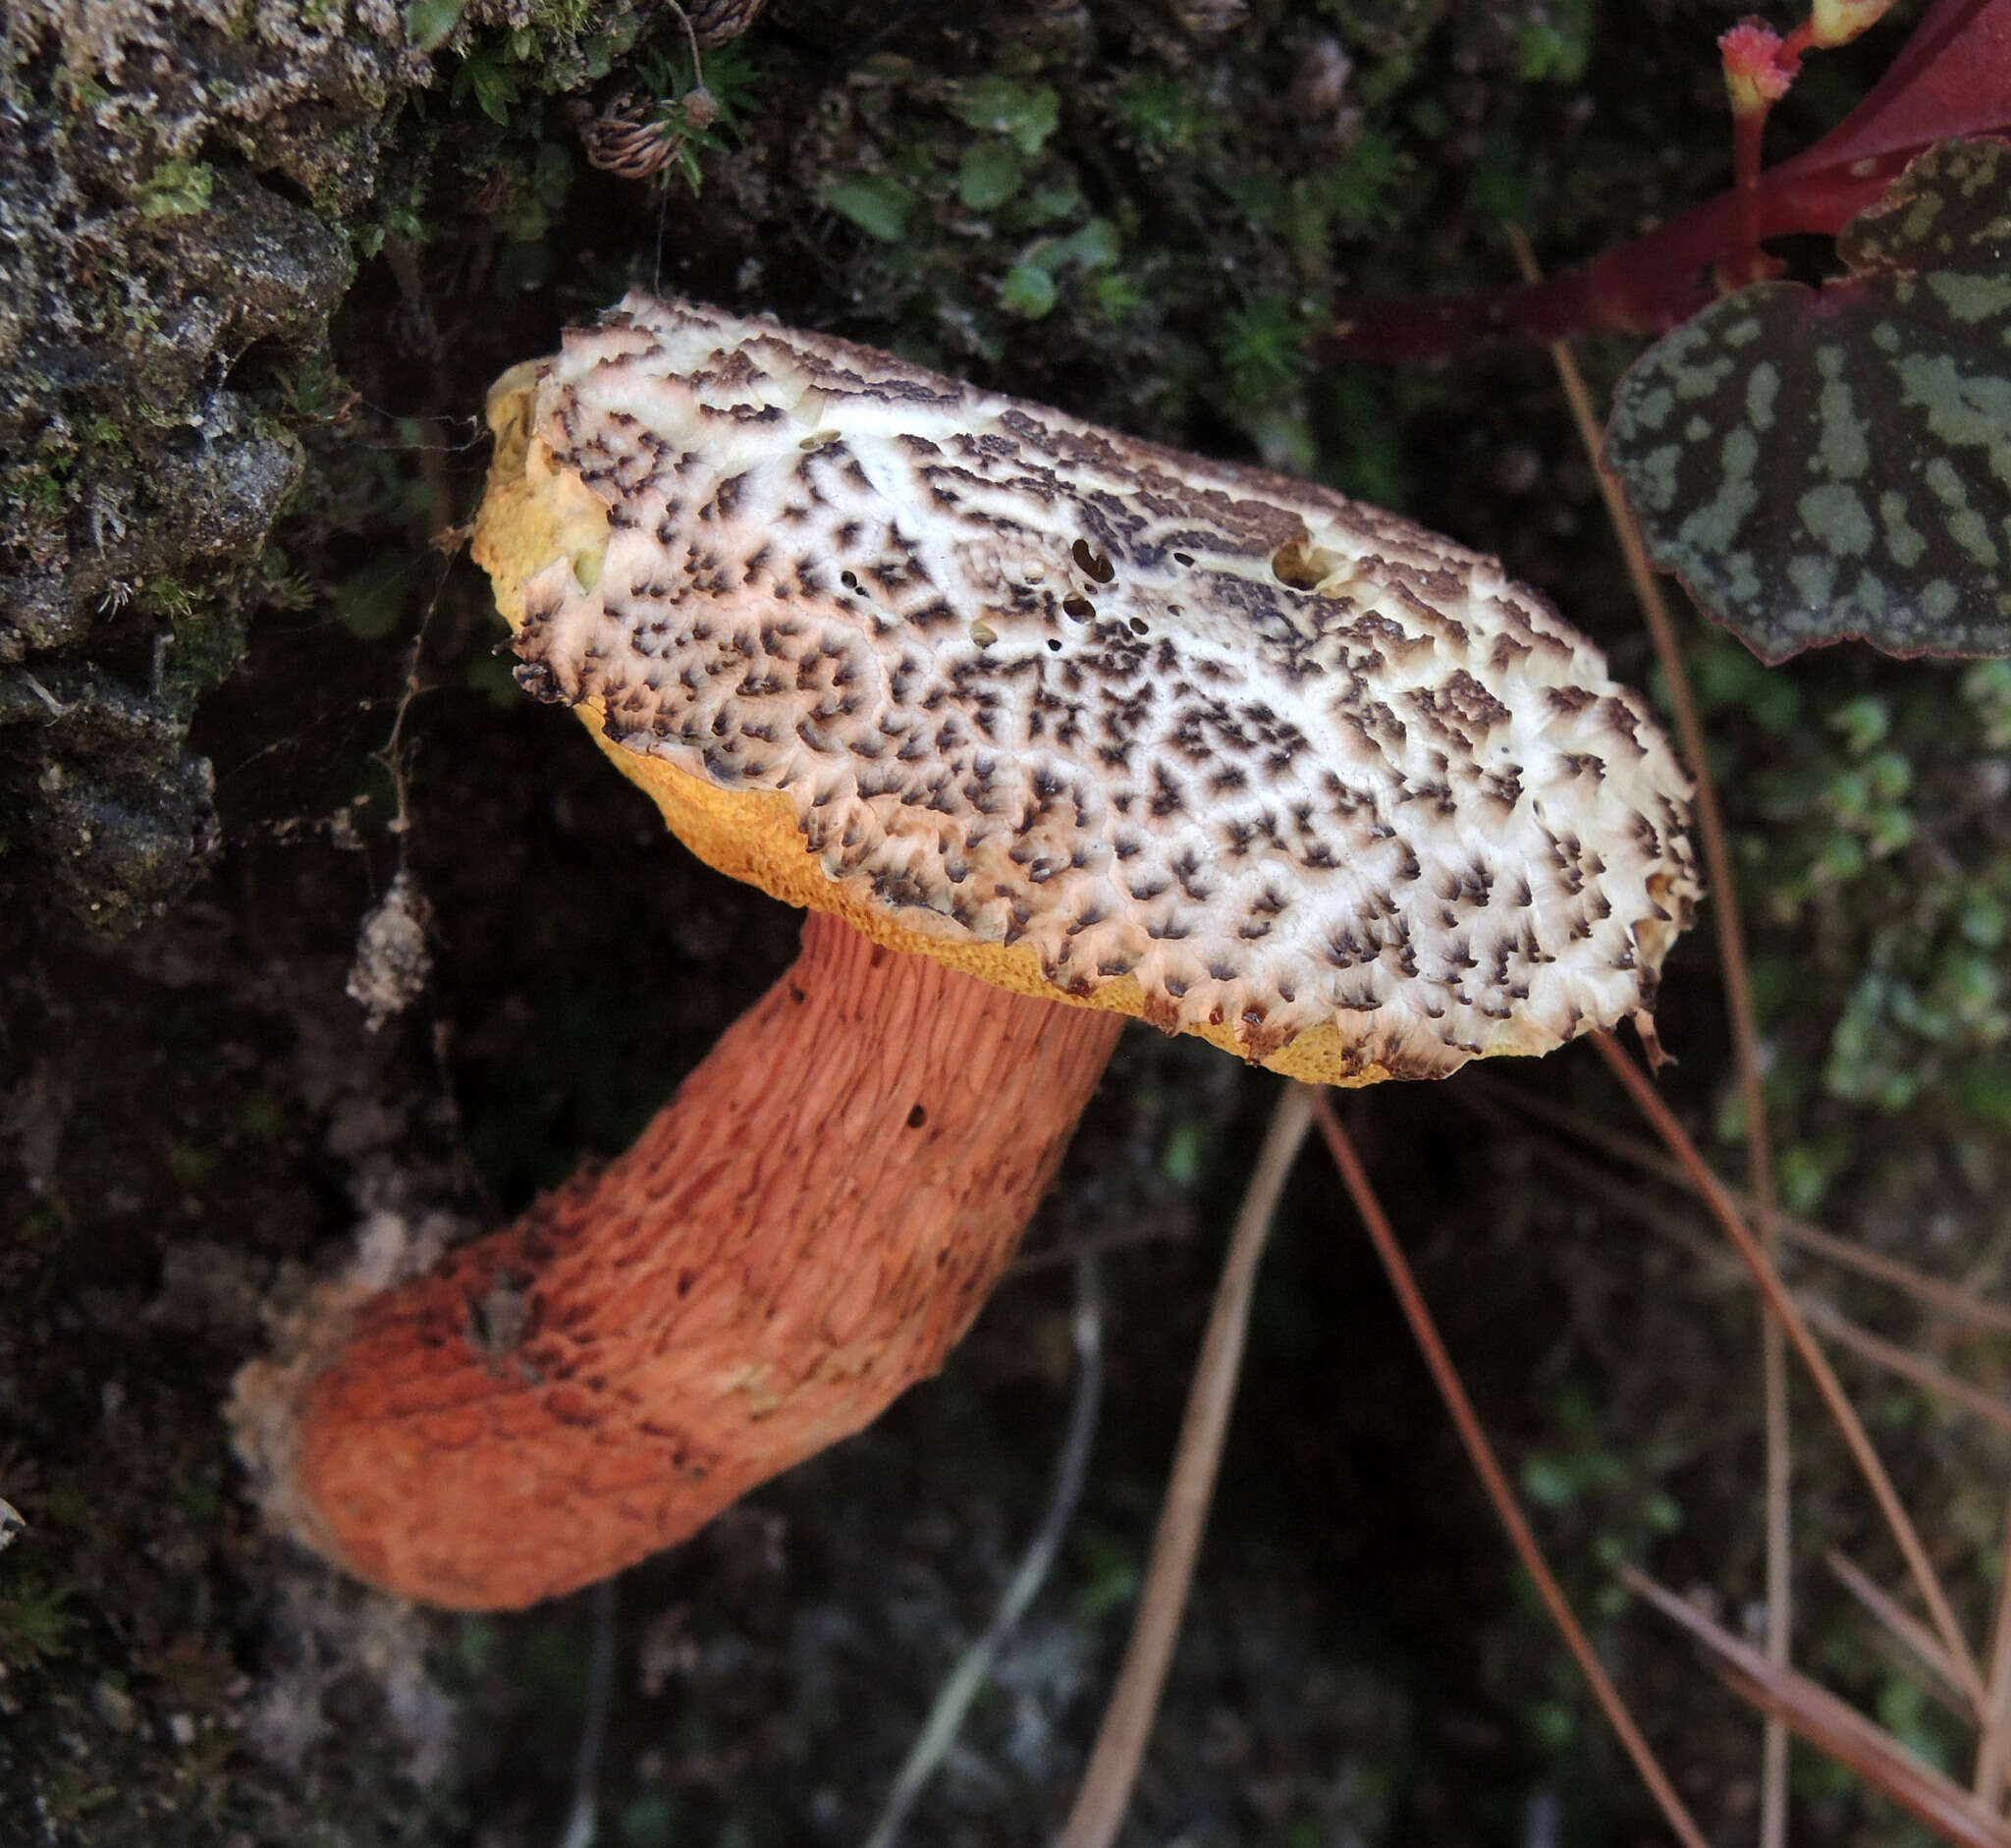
<point x="176" y="183"/>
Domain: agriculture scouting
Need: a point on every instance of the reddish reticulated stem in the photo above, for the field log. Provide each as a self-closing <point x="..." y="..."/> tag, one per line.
<point x="804" y="1230"/>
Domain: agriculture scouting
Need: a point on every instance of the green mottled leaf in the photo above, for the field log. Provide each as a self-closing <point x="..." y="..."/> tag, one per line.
<point x="875" y="202"/>
<point x="1026" y="114"/>
<point x="989" y="174"/>
<point x="1950" y="210"/>
<point x="1823" y="464"/>
<point x="1027" y="290"/>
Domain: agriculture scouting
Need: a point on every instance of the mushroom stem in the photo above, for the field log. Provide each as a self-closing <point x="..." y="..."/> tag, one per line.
<point x="807" y="1228"/>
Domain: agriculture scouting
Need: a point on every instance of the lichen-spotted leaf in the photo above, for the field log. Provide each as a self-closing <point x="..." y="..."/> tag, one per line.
<point x="1823" y="464"/>
<point x="1950" y="210"/>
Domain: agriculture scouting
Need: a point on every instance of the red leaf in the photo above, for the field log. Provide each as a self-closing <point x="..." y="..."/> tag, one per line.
<point x="1953" y="77"/>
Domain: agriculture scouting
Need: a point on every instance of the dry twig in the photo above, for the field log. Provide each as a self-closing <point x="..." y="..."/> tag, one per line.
<point x="1738" y="1000"/>
<point x="1993" y="1746"/>
<point x="1876" y="1348"/>
<point x="964" y="1682"/>
<point x="1424" y="1332"/>
<point x="1106" y="1791"/>
<point x="1933" y="1292"/>
<point x="1834" y="1727"/>
<point x="1903" y="1627"/>
<point x="1713" y="1194"/>
<point x="1904" y="1362"/>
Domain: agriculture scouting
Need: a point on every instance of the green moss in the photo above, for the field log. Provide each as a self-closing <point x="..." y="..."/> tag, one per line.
<point x="176" y="188"/>
<point x="1553" y="48"/>
<point x="208" y="643"/>
<point x="36" y="1625"/>
<point x="170" y="598"/>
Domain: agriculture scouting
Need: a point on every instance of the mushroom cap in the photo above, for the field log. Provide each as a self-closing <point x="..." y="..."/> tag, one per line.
<point x="1088" y="717"/>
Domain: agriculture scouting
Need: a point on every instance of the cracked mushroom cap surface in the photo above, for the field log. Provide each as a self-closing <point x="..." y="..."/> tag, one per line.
<point x="1091" y="717"/>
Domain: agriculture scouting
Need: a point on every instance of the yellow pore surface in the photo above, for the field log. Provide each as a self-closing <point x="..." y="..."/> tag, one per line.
<point x="533" y="514"/>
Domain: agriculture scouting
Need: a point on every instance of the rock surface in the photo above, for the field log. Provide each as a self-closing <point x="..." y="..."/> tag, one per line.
<point x="175" y="187"/>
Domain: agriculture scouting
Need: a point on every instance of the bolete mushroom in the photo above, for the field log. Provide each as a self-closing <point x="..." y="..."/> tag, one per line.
<point x="1048" y="727"/>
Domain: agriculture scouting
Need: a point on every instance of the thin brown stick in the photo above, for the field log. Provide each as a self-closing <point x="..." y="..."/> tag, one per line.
<point x="1903" y="1626"/>
<point x="1424" y="1331"/>
<point x="1673" y="1220"/>
<point x="1738" y="1000"/>
<point x="1993" y="1748"/>
<point x="1106" y="1791"/>
<point x="1889" y="1355"/>
<point x="1937" y="1293"/>
<point x="1838" y="1728"/>
<point x="1714" y="1195"/>
<point x="1904" y="1362"/>
<point x="1951" y="1299"/>
<point x="1670" y="1223"/>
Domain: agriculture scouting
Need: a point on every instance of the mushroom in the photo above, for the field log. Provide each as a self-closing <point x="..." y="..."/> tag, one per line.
<point x="1048" y="727"/>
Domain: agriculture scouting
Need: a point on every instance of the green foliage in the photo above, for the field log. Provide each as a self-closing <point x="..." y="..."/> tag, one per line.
<point x="1028" y="291"/>
<point x="486" y="77"/>
<point x="1025" y="114"/>
<point x="1804" y="1169"/>
<point x="1553" y="49"/>
<point x="877" y="203"/>
<point x="1264" y="347"/>
<point x="535" y="193"/>
<point x="176" y="188"/>
<point x="1109" y="1574"/>
<point x="372" y="602"/>
<point x="1187" y="1152"/>
<point x="1604" y="1485"/>
<point x="1987" y="687"/>
<point x="170" y="598"/>
<point x="1599" y="1496"/>
<point x="1203" y="263"/>
<point x="699" y="110"/>
<point x="490" y="674"/>
<point x="648" y="1821"/>
<point x="1873" y="858"/>
<point x="1727" y="679"/>
<point x="1818" y="464"/>
<point x="1032" y="286"/>
<point x="429" y="23"/>
<point x="989" y="174"/>
<point x="34" y="1625"/>
<point x="1159" y="114"/>
<point x="968" y="164"/>
<point x="471" y="1654"/>
<point x="1905" y="1710"/>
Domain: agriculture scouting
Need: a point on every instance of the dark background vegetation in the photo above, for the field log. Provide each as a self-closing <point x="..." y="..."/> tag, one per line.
<point x="260" y="262"/>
